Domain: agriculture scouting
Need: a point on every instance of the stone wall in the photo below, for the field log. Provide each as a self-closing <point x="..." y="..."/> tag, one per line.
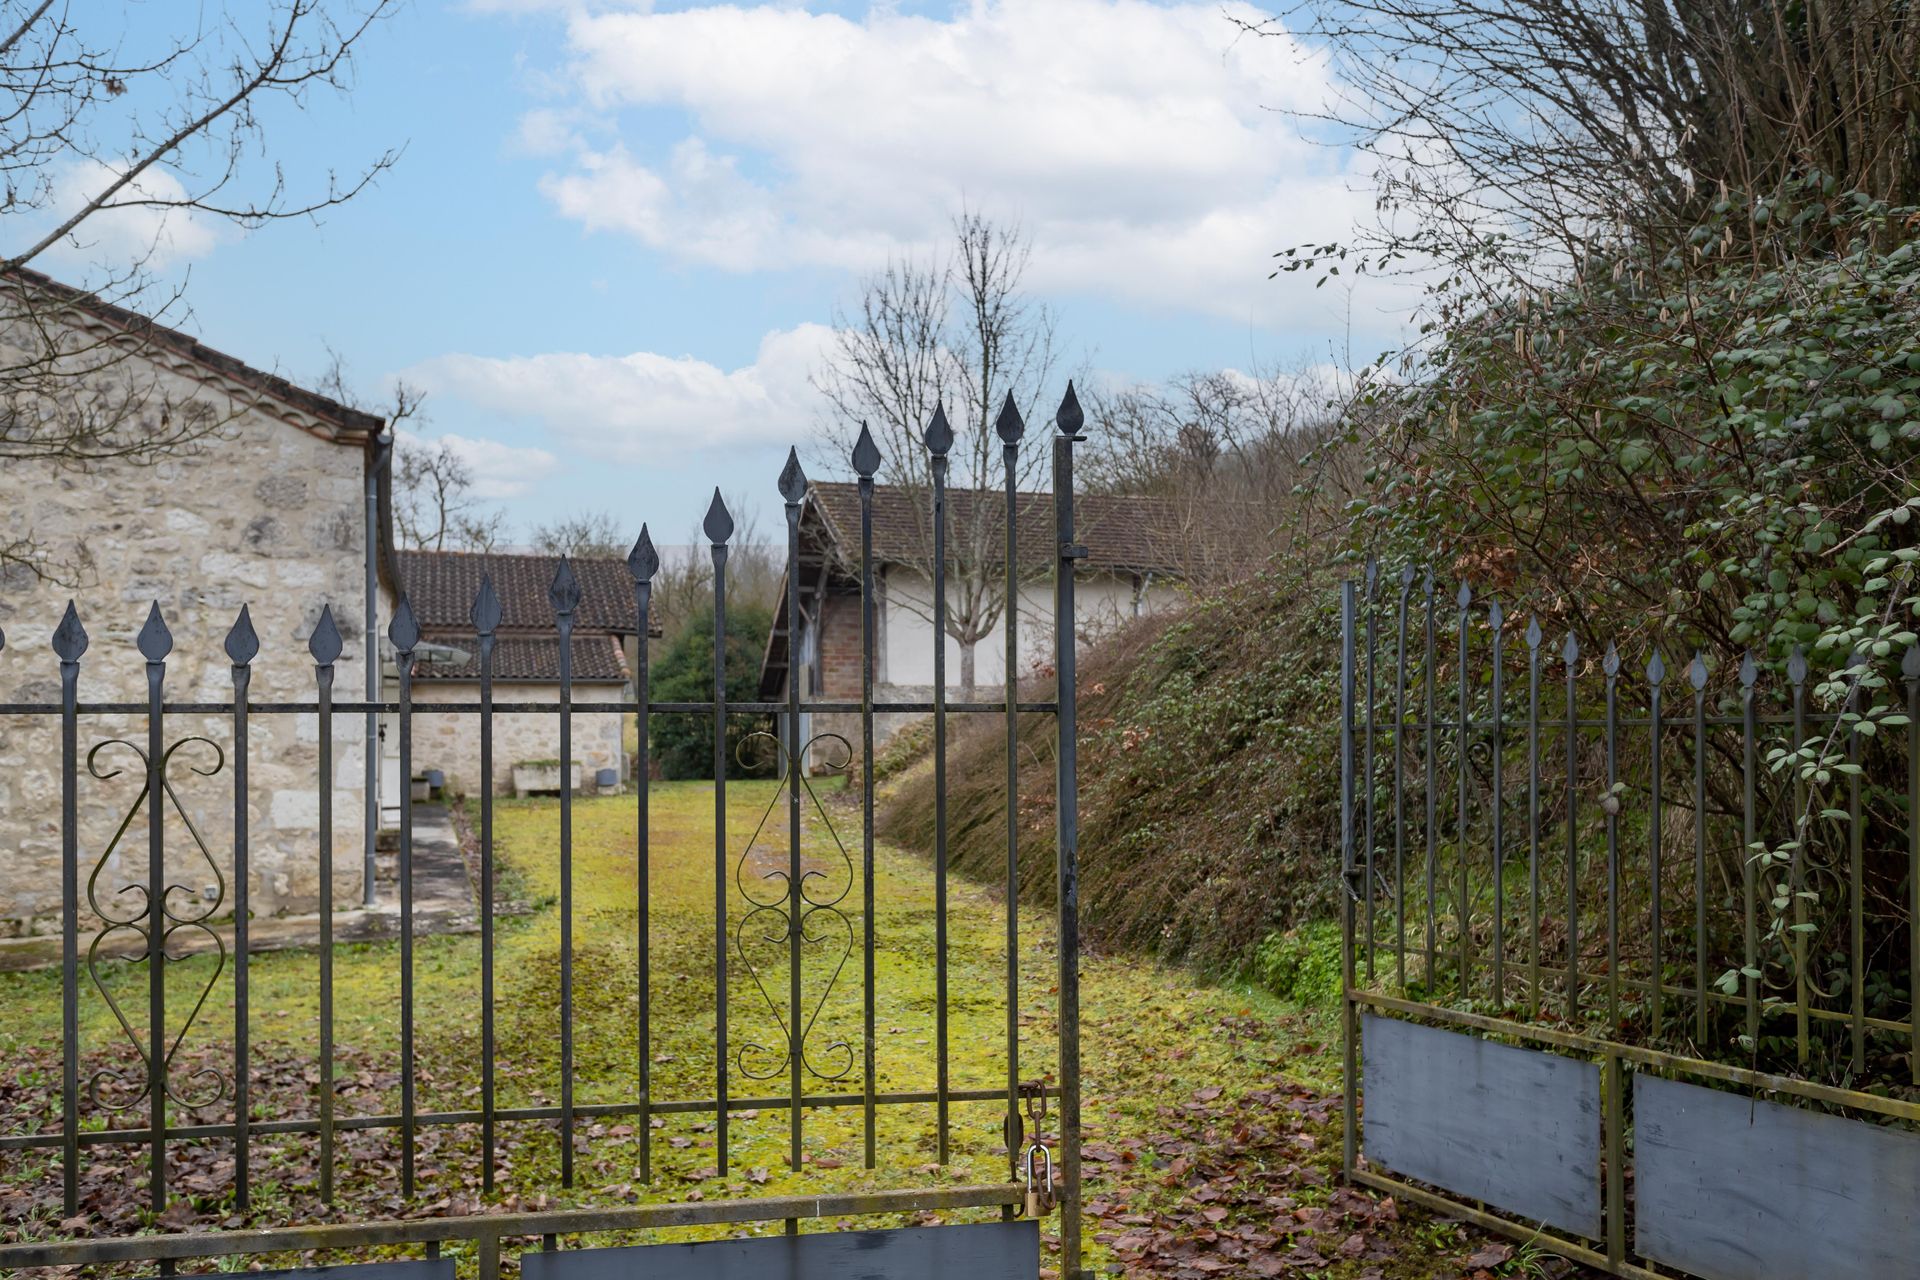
<point x="450" y="741"/>
<point x="267" y="515"/>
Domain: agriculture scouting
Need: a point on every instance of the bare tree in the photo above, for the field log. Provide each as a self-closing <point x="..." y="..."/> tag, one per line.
<point x="115" y="142"/>
<point x="954" y="331"/>
<point x="585" y="533"/>
<point x="1556" y="121"/>
<point x="1239" y="466"/>
<point x="433" y="504"/>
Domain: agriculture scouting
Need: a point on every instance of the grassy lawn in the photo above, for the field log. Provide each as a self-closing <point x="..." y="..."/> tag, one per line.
<point x="1155" y="1039"/>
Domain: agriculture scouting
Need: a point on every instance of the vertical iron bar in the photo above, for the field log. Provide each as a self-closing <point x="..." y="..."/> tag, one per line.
<point x="866" y="459"/>
<point x="69" y="642"/>
<point x="1610" y="665"/>
<point x="405" y="635"/>
<point x="1463" y="818"/>
<point x="1067" y="833"/>
<point x="564" y="595"/>
<point x="1571" y="654"/>
<point x="1498" y="697"/>
<point x="155" y="643"/>
<point x="1349" y="1094"/>
<point x="242" y="644"/>
<point x="1656" y="673"/>
<point x="1802" y="828"/>
<point x="1011" y="429"/>
<point x="1533" y="817"/>
<point x="642" y="563"/>
<point x="1856" y="894"/>
<point x="939" y="437"/>
<point x="718" y="527"/>
<point x="1749" y="766"/>
<point x="324" y="644"/>
<point x="1697" y="677"/>
<point x="1369" y="780"/>
<point x="486" y="616"/>
<point x="324" y="676"/>
<point x="1432" y="780"/>
<point x="793" y="487"/>
<point x="1399" y="783"/>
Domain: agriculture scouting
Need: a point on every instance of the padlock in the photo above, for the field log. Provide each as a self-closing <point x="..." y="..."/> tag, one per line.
<point x="1040" y="1199"/>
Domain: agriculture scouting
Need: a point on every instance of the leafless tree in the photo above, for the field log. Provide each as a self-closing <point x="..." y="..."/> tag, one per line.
<point x="433" y="504"/>
<point x="953" y="331"/>
<point x="1240" y="466"/>
<point x="1554" y="121"/>
<point x="683" y="588"/>
<point x="115" y="141"/>
<point x="585" y="533"/>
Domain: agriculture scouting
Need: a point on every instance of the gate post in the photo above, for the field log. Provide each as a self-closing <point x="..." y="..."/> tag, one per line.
<point x="1069" y="419"/>
<point x="1349" y="1098"/>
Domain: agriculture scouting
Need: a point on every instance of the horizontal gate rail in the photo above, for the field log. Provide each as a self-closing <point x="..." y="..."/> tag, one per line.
<point x="489" y="1229"/>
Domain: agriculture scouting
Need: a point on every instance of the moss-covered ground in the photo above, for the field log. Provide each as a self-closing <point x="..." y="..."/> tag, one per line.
<point x="1168" y="1058"/>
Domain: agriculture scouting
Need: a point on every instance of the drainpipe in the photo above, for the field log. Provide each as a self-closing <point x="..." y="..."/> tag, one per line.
<point x="382" y="459"/>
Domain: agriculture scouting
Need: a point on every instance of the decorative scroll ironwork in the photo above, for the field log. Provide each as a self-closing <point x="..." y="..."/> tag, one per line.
<point x="183" y="917"/>
<point x="769" y="921"/>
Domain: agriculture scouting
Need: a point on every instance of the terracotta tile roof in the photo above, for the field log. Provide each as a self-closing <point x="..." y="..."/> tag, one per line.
<point x="597" y="658"/>
<point x="1121" y="534"/>
<point x="441" y="586"/>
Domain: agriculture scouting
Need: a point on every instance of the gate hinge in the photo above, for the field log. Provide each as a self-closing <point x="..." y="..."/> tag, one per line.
<point x="1072" y="551"/>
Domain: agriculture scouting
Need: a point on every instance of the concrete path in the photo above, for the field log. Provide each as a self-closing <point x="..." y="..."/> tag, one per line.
<point x="443" y="902"/>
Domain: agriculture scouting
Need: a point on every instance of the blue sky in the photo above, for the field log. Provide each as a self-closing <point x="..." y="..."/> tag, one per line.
<point x="618" y="235"/>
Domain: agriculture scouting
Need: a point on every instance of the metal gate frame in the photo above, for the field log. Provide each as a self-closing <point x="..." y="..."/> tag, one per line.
<point x="158" y="918"/>
<point x="1381" y="943"/>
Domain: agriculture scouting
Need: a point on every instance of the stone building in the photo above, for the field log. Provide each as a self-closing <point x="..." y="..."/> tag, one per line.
<point x="526" y="664"/>
<point x="282" y="507"/>
<point x="1139" y="550"/>
<point x="269" y="510"/>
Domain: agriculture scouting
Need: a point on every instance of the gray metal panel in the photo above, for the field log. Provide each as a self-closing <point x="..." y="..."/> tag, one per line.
<point x="975" y="1251"/>
<point x="1517" y="1128"/>
<point x="427" y="1269"/>
<point x="1734" y="1189"/>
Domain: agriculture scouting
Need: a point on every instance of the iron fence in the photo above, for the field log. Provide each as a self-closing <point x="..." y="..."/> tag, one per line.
<point x="798" y="908"/>
<point x="1694" y="867"/>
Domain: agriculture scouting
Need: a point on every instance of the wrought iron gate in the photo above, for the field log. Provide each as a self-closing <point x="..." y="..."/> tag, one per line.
<point x="1602" y="933"/>
<point x="790" y="905"/>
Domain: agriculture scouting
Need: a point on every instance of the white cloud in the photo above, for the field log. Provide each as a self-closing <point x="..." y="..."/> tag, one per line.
<point x="159" y="235"/>
<point x="1138" y="144"/>
<point x="635" y="408"/>
<point x="499" y="471"/>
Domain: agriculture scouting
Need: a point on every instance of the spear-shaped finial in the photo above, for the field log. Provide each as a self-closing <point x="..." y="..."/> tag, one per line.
<point x="70" y="638"/>
<point x="1068" y="418"/>
<point x="404" y="630"/>
<point x="718" y="526"/>
<point x="1611" y="662"/>
<point x="564" y="592"/>
<point x="866" y="454"/>
<point x="1010" y="426"/>
<point x="325" y="645"/>
<point x="154" y="641"/>
<point x="1534" y="634"/>
<point x="1697" y="673"/>
<point x="643" y="561"/>
<point x="242" y="643"/>
<point x="1656" y="669"/>
<point x="486" y="607"/>
<point x="938" y="436"/>
<point x="793" y="481"/>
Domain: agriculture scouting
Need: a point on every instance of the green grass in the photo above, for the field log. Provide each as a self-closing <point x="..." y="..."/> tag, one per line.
<point x="1153" y="1035"/>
